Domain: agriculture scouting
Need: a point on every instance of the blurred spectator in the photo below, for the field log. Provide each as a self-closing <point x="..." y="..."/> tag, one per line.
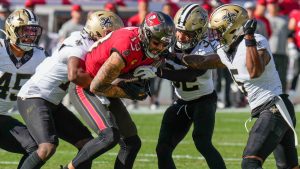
<point x="293" y="49"/>
<point x="143" y="8"/>
<point x="278" y="40"/>
<point x="29" y="4"/>
<point x="207" y="7"/>
<point x="170" y="8"/>
<point x="110" y="6"/>
<point x="120" y="3"/>
<point x="286" y="6"/>
<point x="260" y="15"/>
<point x="113" y="7"/>
<point x="261" y="26"/>
<point x="4" y="12"/>
<point x="73" y="24"/>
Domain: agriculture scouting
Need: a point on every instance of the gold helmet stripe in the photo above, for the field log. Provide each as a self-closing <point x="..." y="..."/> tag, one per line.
<point x="185" y="13"/>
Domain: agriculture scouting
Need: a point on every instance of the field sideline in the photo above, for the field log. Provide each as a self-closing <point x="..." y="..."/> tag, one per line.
<point x="230" y="138"/>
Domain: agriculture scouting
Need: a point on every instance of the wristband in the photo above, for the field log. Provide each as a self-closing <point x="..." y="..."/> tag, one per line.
<point x="250" y="42"/>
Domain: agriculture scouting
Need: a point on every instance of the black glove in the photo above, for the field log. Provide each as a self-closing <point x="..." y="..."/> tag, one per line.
<point x="136" y="91"/>
<point x="250" y="27"/>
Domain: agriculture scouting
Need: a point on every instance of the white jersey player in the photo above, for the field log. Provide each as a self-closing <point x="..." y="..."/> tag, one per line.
<point x="196" y="103"/>
<point x="250" y="62"/>
<point x="15" y="71"/>
<point x="202" y="84"/>
<point x="260" y="89"/>
<point x="40" y="98"/>
<point x="50" y="81"/>
<point x="19" y="56"/>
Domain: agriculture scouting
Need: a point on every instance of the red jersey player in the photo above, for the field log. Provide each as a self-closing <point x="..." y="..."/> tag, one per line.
<point x="117" y="53"/>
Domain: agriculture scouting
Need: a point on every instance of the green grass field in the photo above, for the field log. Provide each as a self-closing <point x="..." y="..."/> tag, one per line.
<point x="230" y="137"/>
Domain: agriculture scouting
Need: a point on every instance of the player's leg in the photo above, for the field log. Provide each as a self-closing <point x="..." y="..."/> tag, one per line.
<point x="174" y="127"/>
<point x="16" y="138"/>
<point x="99" y="119"/>
<point x="130" y="142"/>
<point x="37" y="114"/>
<point x="266" y="133"/>
<point x="286" y="153"/>
<point x="203" y="115"/>
<point x="66" y="123"/>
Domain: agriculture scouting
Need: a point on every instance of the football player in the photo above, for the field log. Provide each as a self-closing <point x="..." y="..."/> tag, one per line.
<point x="118" y="53"/>
<point x="196" y="103"/>
<point x="19" y="56"/>
<point x="40" y="98"/>
<point x="251" y="64"/>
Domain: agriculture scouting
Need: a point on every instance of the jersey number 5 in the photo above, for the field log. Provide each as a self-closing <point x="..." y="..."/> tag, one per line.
<point x="185" y="87"/>
<point x="4" y="85"/>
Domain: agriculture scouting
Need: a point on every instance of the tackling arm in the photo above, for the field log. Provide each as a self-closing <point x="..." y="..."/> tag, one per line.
<point x="203" y="62"/>
<point x="76" y="74"/>
<point x="109" y="71"/>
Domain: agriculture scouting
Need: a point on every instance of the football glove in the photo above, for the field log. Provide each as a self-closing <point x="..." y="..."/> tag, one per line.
<point x="145" y="72"/>
<point x="135" y="91"/>
<point x="250" y="27"/>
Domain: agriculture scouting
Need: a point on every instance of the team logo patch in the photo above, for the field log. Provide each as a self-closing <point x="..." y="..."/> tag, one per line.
<point x="152" y="20"/>
<point x="133" y="61"/>
<point x="105" y="22"/>
<point x="126" y="52"/>
<point x="78" y="43"/>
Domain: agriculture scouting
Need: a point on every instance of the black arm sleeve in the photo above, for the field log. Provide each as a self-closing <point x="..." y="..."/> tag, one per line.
<point x="182" y="75"/>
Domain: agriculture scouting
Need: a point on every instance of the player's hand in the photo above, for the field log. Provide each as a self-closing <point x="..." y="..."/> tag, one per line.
<point x="145" y="72"/>
<point x="250" y="27"/>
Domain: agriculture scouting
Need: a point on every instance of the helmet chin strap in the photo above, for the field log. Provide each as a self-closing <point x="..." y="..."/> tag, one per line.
<point x="151" y="55"/>
<point x="183" y="46"/>
<point x="24" y="48"/>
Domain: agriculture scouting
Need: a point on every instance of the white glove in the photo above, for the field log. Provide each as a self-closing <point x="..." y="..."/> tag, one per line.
<point x="145" y="72"/>
<point x="292" y="51"/>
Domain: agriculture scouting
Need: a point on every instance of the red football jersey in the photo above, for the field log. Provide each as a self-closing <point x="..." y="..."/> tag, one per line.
<point x="296" y="15"/>
<point x="126" y="42"/>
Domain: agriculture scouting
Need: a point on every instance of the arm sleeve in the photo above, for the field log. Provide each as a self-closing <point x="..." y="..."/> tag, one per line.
<point x="69" y="51"/>
<point x="261" y="41"/>
<point x="182" y="75"/>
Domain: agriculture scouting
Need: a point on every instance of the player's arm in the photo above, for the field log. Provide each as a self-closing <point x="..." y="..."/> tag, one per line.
<point x="203" y="62"/>
<point x="109" y="71"/>
<point x="76" y="74"/>
<point x="254" y="62"/>
<point x="180" y="75"/>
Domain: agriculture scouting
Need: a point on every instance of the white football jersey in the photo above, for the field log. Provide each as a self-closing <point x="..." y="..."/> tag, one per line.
<point x="50" y="81"/>
<point x="258" y="90"/>
<point x="203" y="84"/>
<point x="15" y="72"/>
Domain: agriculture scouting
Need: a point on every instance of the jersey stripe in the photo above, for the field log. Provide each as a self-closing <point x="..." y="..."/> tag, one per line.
<point x="90" y="108"/>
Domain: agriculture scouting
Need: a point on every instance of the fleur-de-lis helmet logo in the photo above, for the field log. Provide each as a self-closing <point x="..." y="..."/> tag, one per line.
<point x="106" y="22"/>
